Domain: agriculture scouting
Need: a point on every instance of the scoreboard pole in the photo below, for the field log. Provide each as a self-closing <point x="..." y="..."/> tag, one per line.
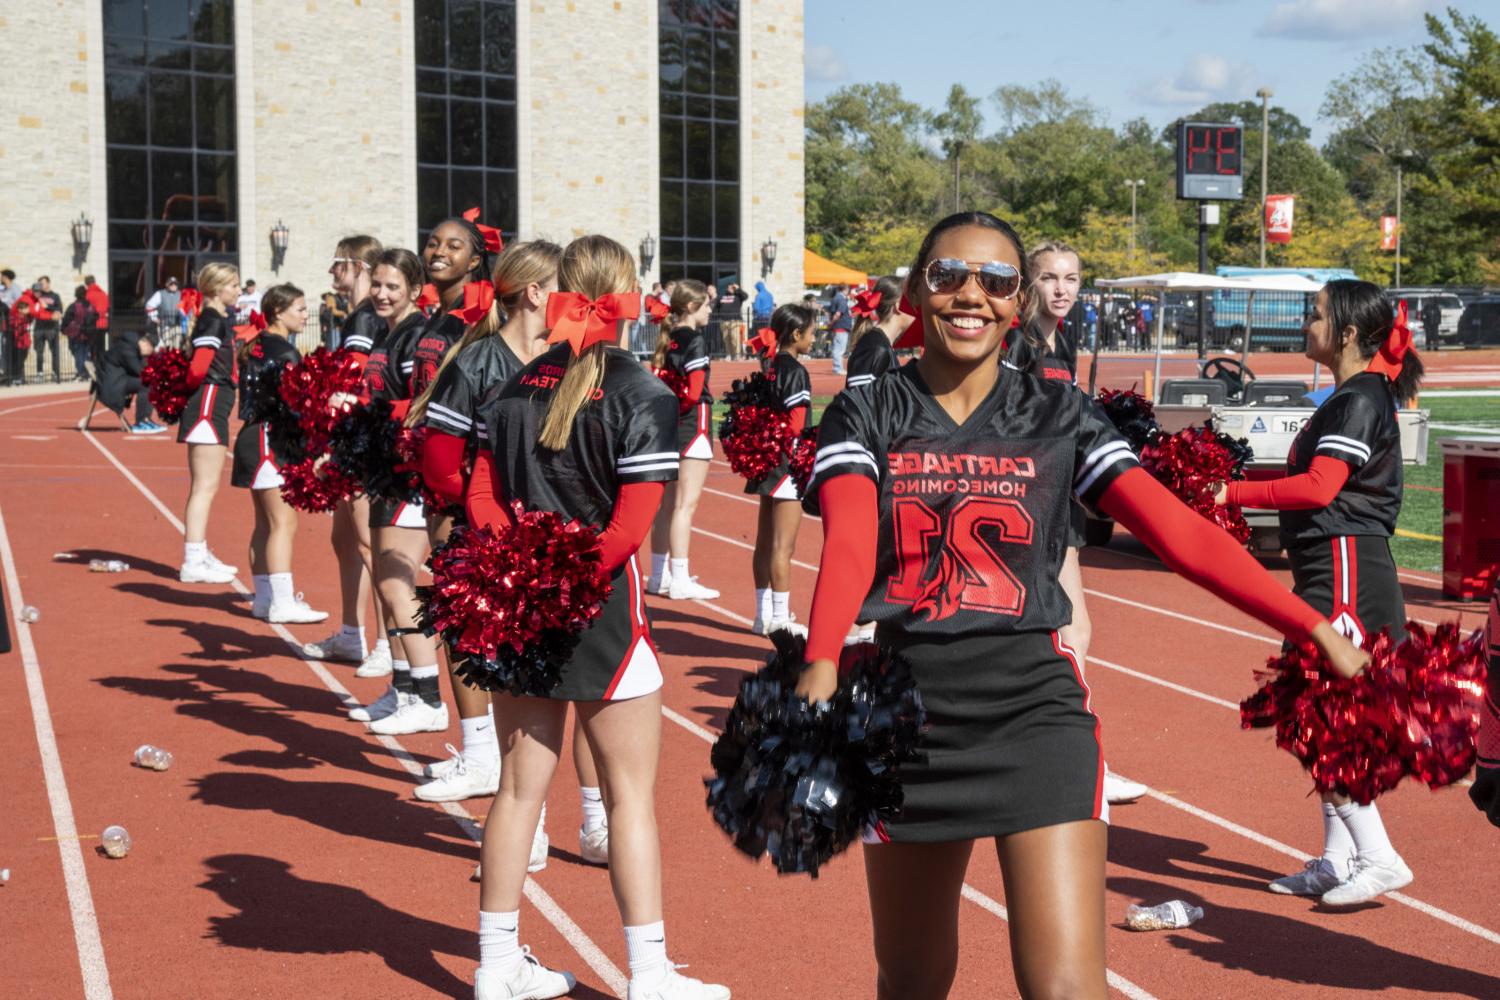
<point x="1202" y="269"/>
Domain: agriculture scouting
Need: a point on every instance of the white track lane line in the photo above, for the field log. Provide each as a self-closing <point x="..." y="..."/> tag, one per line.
<point x="70" y="397"/>
<point x="590" y="952"/>
<point x="75" y="877"/>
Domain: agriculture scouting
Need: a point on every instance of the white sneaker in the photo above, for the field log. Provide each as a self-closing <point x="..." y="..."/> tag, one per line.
<point x="415" y="716"/>
<point x="216" y="563"/>
<point x="1118" y="789"/>
<point x="760" y="626"/>
<point x="530" y="981"/>
<point x="381" y="707"/>
<point x="297" y="612"/>
<point x="787" y="625"/>
<point x="442" y="767"/>
<point x="377" y="664"/>
<point x="660" y="586"/>
<point x="678" y="987"/>
<point x="464" y="779"/>
<point x="203" y="571"/>
<point x="690" y="590"/>
<point x="1368" y="880"/>
<point x="1315" y="878"/>
<point x="539" y="847"/>
<point x="339" y="646"/>
<point x="593" y="845"/>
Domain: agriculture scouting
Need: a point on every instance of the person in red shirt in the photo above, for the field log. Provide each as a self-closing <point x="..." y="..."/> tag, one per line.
<point x="99" y="299"/>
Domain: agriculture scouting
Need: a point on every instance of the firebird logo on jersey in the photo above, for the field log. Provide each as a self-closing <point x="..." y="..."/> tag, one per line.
<point x="942" y="596"/>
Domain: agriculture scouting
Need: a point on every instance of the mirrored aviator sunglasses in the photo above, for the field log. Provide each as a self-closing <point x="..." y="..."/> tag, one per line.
<point x="997" y="279"/>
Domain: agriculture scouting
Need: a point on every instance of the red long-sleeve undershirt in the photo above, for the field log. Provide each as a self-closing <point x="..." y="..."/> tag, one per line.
<point x="1189" y="544"/>
<point x="798" y="418"/>
<point x="695" y="384"/>
<point x="442" y="464"/>
<point x="1312" y="489"/>
<point x="198" y="366"/>
<point x="361" y="358"/>
<point x="635" y="510"/>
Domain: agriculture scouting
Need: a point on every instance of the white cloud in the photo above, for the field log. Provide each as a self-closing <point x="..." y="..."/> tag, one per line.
<point x="1341" y="20"/>
<point x="1206" y="78"/>
<point x="822" y="63"/>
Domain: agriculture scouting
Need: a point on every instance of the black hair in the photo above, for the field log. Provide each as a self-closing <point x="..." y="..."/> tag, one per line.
<point x="889" y="288"/>
<point x="8" y="273"/>
<point x="408" y="264"/>
<point x="1363" y="306"/>
<point x="81" y="293"/>
<point x="476" y="244"/>
<point x="958" y="220"/>
<point x="790" y="320"/>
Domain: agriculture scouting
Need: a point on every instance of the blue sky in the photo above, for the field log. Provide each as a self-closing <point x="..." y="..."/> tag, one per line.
<point x="1156" y="59"/>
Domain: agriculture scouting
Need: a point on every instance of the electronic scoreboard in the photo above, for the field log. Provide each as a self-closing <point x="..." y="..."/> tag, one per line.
<point x="1210" y="159"/>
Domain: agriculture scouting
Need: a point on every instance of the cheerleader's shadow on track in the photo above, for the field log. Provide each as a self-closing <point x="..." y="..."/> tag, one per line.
<point x="187" y="596"/>
<point x="138" y="564"/>
<point x="1180" y="858"/>
<point x="260" y="705"/>
<point x="684" y="642"/>
<point x="1301" y="946"/>
<point x="223" y="643"/>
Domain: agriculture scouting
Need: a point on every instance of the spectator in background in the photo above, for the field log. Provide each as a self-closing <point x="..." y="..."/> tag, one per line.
<point x="46" y="314"/>
<point x="248" y="301"/>
<point x="1144" y="316"/>
<point x="333" y="310"/>
<point x="77" y="321"/>
<point x="729" y="310"/>
<point x="762" y="307"/>
<point x="99" y="299"/>
<point x="164" y="312"/>
<point x="9" y="293"/>
<point x="1091" y="323"/>
<point x="1432" y="321"/>
<point x="20" y="337"/>
<point x="840" y="322"/>
<point x="120" y="379"/>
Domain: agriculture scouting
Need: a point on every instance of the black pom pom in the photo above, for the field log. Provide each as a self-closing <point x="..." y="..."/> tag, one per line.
<point x="363" y="445"/>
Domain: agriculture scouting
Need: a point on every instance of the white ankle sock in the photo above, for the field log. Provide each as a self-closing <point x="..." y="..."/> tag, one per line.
<point x="281" y="588"/>
<point x="658" y="566"/>
<point x="480" y="745"/>
<point x="646" y="947"/>
<point x="384" y="645"/>
<point x="500" y="942"/>
<point x="1338" y="846"/>
<point x="194" y="552"/>
<point x="262" y="583"/>
<point x="680" y="570"/>
<point x="593" y="808"/>
<point x="781" y="605"/>
<point x="1368" y="832"/>
<point x="763" y="603"/>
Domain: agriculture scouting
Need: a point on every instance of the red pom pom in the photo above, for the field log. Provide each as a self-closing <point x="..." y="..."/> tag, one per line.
<point x="316" y="486"/>
<point x="165" y="377"/>
<point x="757" y="432"/>
<point x="678" y="383"/>
<point x="306" y="388"/>
<point x="1189" y="463"/>
<point x="1414" y="711"/>
<point x="804" y="455"/>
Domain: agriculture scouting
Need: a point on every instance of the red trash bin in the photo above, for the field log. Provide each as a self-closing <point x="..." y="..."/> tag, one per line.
<point x="1471" y="516"/>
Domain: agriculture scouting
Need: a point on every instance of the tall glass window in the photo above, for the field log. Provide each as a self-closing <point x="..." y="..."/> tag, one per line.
<point x="170" y="142"/>
<point x="700" y="139"/>
<point x="466" y="111"/>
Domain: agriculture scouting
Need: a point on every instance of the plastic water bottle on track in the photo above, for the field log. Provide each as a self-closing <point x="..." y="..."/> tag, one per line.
<point x="1163" y="917"/>
<point x="152" y="758"/>
<point x="116" y="841"/>
<point x="108" y="566"/>
<point x="30" y="615"/>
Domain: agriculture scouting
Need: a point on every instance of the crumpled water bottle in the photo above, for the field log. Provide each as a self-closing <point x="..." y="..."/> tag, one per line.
<point x="116" y="841"/>
<point x="153" y="758"/>
<point x="108" y="566"/>
<point x="30" y="615"/>
<point x="1163" y="917"/>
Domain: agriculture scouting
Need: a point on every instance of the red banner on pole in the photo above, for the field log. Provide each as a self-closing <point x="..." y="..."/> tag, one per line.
<point x="1387" y="232"/>
<point x="1279" y="208"/>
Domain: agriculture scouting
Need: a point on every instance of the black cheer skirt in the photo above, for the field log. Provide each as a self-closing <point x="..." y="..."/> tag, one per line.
<point x="256" y="464"/>
<point x="695" y="432"/>
<point x="1351" y="580"/>
<point x="205" y="418"/>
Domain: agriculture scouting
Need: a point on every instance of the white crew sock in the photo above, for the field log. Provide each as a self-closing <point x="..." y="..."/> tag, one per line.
<point x="381" y="645"/>
<point x="763" y="603"/>
<point x="480" y="743"/>
<point x="281" y="588"/>
<point x="1338" y="846"/>
<point x="646" y="947"/>
<point x="500" y="942"/>
<point x="680" y="570"/>
<point x="781" y="605"/>
<point x="593" y="808"/>
<point x="658" y="567"/>
<point x="262" y="583"/>
<point x="194" y="552"/>
<point x="1368" y="832"/>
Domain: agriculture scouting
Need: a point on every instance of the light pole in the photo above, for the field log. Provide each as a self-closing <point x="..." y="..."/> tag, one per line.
<point x="1134" y="186"/>
<point x="1403" y="155"/>
<point x="1264" y="94"/>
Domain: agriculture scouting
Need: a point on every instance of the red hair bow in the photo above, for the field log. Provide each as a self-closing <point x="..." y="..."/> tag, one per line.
<point x="429" y="297"/>
<point x="253" y="325"/>
<point x="657" y="309"/>
<point x="479" y="296"/>
<point x="866" y="303"/>
<point x="492" y="241"/>
<point x="1392" y="354"/>
<point x="915" y="334"/>
<point x="764" y="342"/>
<point x="582" y="322"/>
<point x="191" y="301"/>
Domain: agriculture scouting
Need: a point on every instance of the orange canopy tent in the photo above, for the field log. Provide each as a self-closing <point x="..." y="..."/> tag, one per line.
<point x="822" y="271"/>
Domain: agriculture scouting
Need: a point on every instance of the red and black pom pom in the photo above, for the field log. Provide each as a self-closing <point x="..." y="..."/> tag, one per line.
<point x="309" y="387"/>
<point x="1413" y="712"/>
<point x="165" y="377"/>
<point x="678" y="383"/>
<point x="1191" y="463"/>
<point x="804" y="456"/>
<point x="757" y="432"/>
<point x="1132" y="414"/>
<point x="316" y="485"/>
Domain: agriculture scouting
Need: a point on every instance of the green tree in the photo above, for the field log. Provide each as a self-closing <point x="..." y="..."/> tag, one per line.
<point x="957" y="125"/>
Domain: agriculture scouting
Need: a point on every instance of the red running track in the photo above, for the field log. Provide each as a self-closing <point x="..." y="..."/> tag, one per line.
<point x="283" y="855"/>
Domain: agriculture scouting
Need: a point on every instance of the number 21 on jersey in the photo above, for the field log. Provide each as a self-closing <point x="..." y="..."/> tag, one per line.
<point x="969" y="574"/>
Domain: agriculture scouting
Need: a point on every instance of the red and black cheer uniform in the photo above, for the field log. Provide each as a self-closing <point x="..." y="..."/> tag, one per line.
<point x="1485" y="792"/>
<point x="688" y="358"/>
<point x="871" y="357"/>
<point x="794" y="389"/>
<point x="1338" y="508"/>
<point x="1058" y="362"/>
<point x="363" y="332"/>
<point x="950" y="538"/>
<point x="610" y="476"/>
<point x="205" y="418"/>
<point x="455" y="414"/>
<point x="256" y="465"/>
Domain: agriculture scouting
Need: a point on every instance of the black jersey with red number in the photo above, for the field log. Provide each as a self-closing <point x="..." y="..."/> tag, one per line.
<point x="1356" y="425"/>
<point x="872" y="357"/>
<point x="1058" y="362"/>
<point x="475" y="373"/>
<point x="626" y="434"/>
<point x="212" y="330"/>
<point x="363" y="330"/>
<point x="382" y="378"/>
<point x="793" y="386"/>
<point x="414" y="353"/>
<point x="269" y="349"/>
<point x="688" y="354"/>
<point x="973" y="519"/>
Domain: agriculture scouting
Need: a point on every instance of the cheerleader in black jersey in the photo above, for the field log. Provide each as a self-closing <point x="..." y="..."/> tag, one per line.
<point x="1339" y="504"/>
<point x="880" y="325"/>
<point x="795" y="327"/>
<point x="944" y="490"/>
<point x="585" y="431"/>
<point x="257" y="467"/>
<point x="353" y="264"/>
<point x="205" y="419"/>
<point x="682" y="351"/>
<point x="1485" y="792"/>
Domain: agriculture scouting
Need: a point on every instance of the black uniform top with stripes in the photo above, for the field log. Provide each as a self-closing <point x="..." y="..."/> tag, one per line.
<point x="973" y="518"/>
<point x="626" y="434"/>
<point x="792" y="383"/>
<point x="477" y="372"/>
<point x="363" y="330"/>
<point x="414" y="353"/>
<point x="213" y="330"/>
<point x="688" y="354"/>
<point x="872" y="357"/>
<point x="382" y="378"/>
<point x="1357" y="425"/>
<point x="269" y="349"/>
<point x="1059" y="362"/>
